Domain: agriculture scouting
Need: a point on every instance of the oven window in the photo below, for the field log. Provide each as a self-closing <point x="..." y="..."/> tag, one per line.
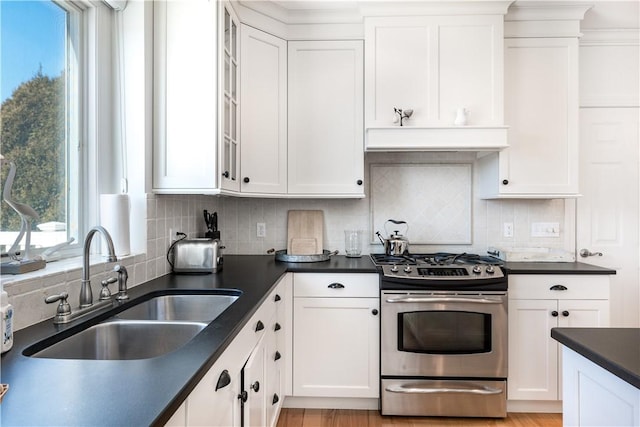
<point x="444" y="332"/>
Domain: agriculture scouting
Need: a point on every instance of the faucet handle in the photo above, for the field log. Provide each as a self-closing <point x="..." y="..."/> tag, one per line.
<point x="105" y="293"/>
<point x="63" y="308"/>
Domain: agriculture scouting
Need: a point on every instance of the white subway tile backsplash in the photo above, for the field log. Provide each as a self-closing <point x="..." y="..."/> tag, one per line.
<point x="478" y="222"/>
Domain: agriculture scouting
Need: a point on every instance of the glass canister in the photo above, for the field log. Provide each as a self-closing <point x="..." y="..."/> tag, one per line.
<point x="353" y="243"/>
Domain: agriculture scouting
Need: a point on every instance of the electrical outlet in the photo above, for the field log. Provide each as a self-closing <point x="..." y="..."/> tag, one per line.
<point x="261" y="229"/>
<point x="507" y="230"/>
<point x="173" y="234"/>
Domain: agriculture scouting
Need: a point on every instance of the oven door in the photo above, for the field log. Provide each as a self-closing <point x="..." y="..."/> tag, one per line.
<point x="444" y="335"/>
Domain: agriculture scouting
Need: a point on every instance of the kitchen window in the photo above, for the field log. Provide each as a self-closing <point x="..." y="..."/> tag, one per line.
<point x="50" y="92"/>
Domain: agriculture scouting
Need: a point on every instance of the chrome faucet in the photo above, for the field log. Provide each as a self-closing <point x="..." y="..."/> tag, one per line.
<point x="86" y="296"/>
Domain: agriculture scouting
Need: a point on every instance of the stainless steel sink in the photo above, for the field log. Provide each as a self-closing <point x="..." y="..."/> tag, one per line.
<point x="155" y="326"/>
<point x="180" y="307"/>
<point x="124" y="340"/>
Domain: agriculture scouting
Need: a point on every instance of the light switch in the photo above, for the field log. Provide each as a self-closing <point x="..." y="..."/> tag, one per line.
<point x="545" y="229"/>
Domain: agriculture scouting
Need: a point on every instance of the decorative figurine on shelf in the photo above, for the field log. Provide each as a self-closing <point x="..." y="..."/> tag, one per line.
<point x="461" y="117"/>
<point x="400" y="115"/>
<point x="25" y="263"/>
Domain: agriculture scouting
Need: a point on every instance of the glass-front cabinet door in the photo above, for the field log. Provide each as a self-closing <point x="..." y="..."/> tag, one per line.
<point x="230" y="136"/>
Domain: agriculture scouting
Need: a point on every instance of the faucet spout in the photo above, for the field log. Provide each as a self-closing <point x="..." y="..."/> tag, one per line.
<point x="86" y="296"/>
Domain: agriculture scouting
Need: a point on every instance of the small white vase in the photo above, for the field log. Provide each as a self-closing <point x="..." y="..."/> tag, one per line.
<point x="461" y="117"/>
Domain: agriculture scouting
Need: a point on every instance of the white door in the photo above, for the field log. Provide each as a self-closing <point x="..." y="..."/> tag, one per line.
<point x="607" y="213"/>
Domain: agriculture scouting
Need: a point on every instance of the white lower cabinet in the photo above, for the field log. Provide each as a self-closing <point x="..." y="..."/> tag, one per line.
<point x="336" y="335"/>
<point x="247" y="370"/>
<point x="538" y="303"/>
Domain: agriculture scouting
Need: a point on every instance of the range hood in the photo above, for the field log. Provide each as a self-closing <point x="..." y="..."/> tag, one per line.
<point x="445" y="138"/>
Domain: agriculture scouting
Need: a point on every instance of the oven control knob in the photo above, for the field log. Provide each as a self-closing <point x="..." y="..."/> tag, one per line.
<point x="490" y="269"/>
<point x="394" y="269"/>
<point x="407" y="269"/>
<point x="476" y="269"/>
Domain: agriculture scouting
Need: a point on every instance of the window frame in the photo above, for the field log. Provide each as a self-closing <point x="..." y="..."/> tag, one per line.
<point x="89" y="106"/>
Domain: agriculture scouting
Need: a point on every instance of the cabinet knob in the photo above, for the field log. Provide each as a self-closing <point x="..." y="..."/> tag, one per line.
<point x="278" y="356"/>
<point x="374" y="312"/>
<point x="275" y="400"/>
<point x="277" y="327"/>
<point x="336" y="286"/>
<point x="277" y="298"/>
<point x="244" y="396"/>
<point x="554" y="313"/>
<point x="246" y="179"/>
<point x="223" y="380"/>
<point x="359" y="182"/>
<point x="255" y="386"/>
<point x="505" y="182"/>
<point x="225" y="174"/>
<point x="558" y="288"/>
<point x="259" y="326"/>
<point x="565" y="313"/>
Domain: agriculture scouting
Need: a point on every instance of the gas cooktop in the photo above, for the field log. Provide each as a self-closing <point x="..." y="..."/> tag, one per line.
<point x="441" y="265"/>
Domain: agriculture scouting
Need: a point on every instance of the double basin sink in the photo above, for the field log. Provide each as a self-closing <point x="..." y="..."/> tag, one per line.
<point x="156" y="325"/>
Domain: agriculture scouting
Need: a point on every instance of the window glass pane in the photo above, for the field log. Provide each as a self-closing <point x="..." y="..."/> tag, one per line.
<point x="227" y="30"/>
<point x="445" y="332"/>
<point x="234" y="40"/>
<point x="227" y="73"/>
<point x="39" y="95"/>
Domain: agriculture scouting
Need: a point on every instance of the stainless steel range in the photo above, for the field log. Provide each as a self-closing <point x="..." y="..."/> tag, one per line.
<point x="443" y="335"/>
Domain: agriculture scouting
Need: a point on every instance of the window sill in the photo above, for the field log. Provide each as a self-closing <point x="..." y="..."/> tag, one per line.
<point x="63" y="266"/>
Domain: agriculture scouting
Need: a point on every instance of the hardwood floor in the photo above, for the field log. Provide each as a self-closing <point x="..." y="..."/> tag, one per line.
<point x="353" y="418"/>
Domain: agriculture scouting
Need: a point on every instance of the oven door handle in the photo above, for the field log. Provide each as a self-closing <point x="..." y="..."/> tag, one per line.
<point x="445" y="299"/>
<point x="429" y="390"/>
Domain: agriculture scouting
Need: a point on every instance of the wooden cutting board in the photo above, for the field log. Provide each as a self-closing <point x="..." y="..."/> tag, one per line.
<point x="305" y="231"/>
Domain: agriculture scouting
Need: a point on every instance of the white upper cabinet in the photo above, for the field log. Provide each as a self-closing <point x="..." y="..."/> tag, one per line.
<point x="326" y="155"/>
<point x="263" y="100"/>
<point x="541" y="108"/>
<point x="185" y="93"/>
<point x="436" y="66"/>
<point x="541" y="82"/>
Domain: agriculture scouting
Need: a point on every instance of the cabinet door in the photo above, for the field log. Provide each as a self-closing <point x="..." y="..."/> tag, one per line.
<point x="583" y="313"/>
<point x="185" y="90"/>
<point x="229" y="97"/>
<point x="325" y="126"/>
<point x="541" y="110"/>
<point x="214" y="401"/>
<point x="263" y="100"/>
<point x="274" y="372"/>
<point x="253" y="383"/>
<point x="533" y="355"/>
<point x="455" y="62"/>
<point x="336" y="347"/>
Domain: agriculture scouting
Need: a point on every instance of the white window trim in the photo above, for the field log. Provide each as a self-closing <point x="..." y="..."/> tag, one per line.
<point x="95" y="157"/>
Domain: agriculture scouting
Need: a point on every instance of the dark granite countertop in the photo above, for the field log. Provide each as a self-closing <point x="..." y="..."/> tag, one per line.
<point x="615" y="349"/>
<point x="555" y="268"/>
<point x="141" y="392"/>
<point x="147" y="392"/>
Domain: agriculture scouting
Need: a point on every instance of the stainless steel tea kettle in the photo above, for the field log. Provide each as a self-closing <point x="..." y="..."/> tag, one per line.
<point x="395" y="244"/>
